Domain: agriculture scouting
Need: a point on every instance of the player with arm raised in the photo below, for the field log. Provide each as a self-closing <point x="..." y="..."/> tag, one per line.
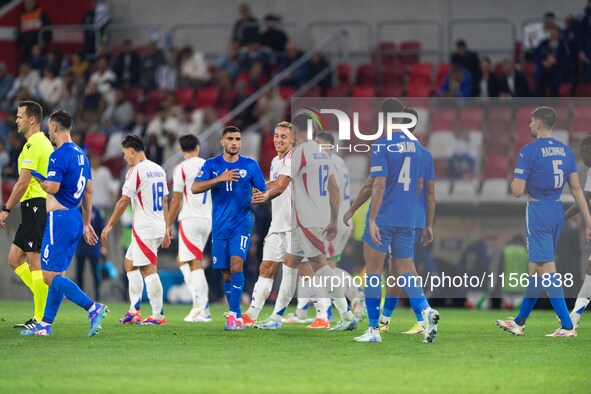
<point x="146" y="189"/>
<point x="542" y="167"/>
<point x="194" y="226"/>
<point x="68" y="182"/>
<point x="275" y="249"/>
<point x="315" y="198"/>
<point x="231" y="179"/>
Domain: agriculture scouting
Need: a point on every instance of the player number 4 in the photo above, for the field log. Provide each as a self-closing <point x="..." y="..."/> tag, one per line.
<point x="404" y="175"/>
<point x="558" y="174"/>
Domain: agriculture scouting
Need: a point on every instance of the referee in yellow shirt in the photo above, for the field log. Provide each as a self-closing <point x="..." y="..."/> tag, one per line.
<point x="27" y="241"/>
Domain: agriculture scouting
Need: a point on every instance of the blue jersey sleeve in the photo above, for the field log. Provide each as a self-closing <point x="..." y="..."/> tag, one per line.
<point x="429" y="170"/>
<point x="257" y="179"/>
<point x="57" y="167"/>
<point x="379" y="163"/>
<point x="204" y="173"/>
<point x="523" y="167"/>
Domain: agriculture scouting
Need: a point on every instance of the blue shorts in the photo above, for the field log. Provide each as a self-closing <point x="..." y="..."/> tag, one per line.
<point x="223" y="249"/>
<point x="418" y="232"/>
<point x="398" y="241"/>
<point x="543" y="225"/>
<point x="63" y="230"/>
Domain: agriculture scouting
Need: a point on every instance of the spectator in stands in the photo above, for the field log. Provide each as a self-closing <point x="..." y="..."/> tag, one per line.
<point x="91" y="109"/>
<point x="246" y="28"/>
<point x="127" y="66"/>
<point x="467" y="59"/>
<point x="106" y="187"/>
<point x="79" y="66"/>
<point x="270" y="104"/>
<point x="462" y="162"/>
<point x="38" y="60"/>
<point x="6" y="81"/>
<point x="254" y="79"/>
<point x="246" y="116"/>
<point x="122" y="112"/>
<point x="476" y="260"/>
<point x="50" y="88"/>
<point x="16" y="143"/>
<point x="105" y="79"/>
<point x="552" y="58"/>
<point x="489" y="85"/>
<point x="27" y="79"/>
<point x="224" y="84"/>
<point x="165" y="76"/>
<point x="98" y="18"/>
<point x="458" y="83"/>
<point x="229" y="60"/>
<point x="150" y="62"/>
<point x="211" y="146"/>
<point x="55" y="60"/>
<point x="192" y="68"/>
<point x="513" y="82"/>
<point x="583" y="39"/>
<point x="4" y="156"/>
<point x="297" y="77"/>
<point x="317" y="64"/>
<point x="31" y="22"/>
<point x="535" y="33"/>
<point x="273" y="36"/>
<point x="154" y="149"/>
<point x="140" y="125"/>
<point x="253" y="53"/>
<point x="71" y="93"/>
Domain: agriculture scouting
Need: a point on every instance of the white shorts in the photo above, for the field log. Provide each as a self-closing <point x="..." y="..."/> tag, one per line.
<point x="335" y="248"/>
<point x="193" y="234"/>
<point x="276" y="245"/>
<point x="307" y="242"/>
<point x="143" y="252"/>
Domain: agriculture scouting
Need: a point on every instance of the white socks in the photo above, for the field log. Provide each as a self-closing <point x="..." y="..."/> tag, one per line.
<point x="260" y="293"/>
<point x="289" y="279"/>
<point x="155" y="293"/>
<point x="201" y="290"/>
<point x="136" y="288"/>
<point x="584" y="296"/>
<point x="186" y="271"/>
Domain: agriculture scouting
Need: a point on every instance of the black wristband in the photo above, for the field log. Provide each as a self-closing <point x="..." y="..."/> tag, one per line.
<point x="4" y="209"/>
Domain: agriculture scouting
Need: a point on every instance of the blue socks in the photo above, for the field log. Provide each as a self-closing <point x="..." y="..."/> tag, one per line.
<point x="373" y="298"/>
<point x="416" y="297"/>
<point x="237" y="285"/>
<point x="389" y="305"/>
<point x="534" y="288"/>
<point x="71" y="291"/>
<point x="54" y="300"/>
<point x="556" y="295"/>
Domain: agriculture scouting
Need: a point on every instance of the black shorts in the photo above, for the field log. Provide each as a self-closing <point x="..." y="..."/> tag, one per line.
<point x="30" y="232"/>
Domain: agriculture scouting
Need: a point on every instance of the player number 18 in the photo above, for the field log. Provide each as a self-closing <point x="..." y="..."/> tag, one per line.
<point x="157" y="196"/>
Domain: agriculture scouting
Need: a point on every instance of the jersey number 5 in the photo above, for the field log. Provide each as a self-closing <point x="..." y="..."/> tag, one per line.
<point x="158" y="196"/>
<point x="558" y="174"/>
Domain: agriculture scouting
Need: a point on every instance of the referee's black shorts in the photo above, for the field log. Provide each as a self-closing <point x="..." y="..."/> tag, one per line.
<point x="30" y="232"/>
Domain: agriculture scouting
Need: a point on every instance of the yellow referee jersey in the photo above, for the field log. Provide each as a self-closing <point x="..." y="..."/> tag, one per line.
<point x="35" y="157"/>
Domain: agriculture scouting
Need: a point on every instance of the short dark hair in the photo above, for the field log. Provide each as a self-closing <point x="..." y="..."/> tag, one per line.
<point x="231" y="129"/>
<point x="328" y="137"/>
<point x="546" y="115"/>
<point x="412" y="112"/>
<point x="586" y="142"/>
<point x="63" y="120"/>
<point x="461" y="43"/>
<point x="188" y="142"/>
<point x="32" y="109"/>
<point x="392" y="104"/>
<point x="300" y="122"/>
<point x="134" y="142"/>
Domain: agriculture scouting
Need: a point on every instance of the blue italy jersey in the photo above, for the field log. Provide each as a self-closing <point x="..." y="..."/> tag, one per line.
<point x="400" y="161"/>
<point x="69" y="166"/>
<point x="428" y="174"/>
<point x="231" y="200"/>
<point x="545" y="165"/>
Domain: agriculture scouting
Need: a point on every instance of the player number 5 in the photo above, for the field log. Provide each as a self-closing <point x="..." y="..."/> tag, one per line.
<point x="558" y="174"/>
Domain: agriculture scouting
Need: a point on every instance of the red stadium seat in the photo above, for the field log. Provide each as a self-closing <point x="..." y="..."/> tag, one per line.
<point x="392" y="91"/>
<point x="115" y="165"/>
<point x="496" y="166"/>
<point x="418" y="91"/>
<point x="286" y="92"/>
<point x="442" y="72"/>
<point x="363" y="91"/>
<point x="96" y="142"/>
<point x="583" y="90"/>
<point x="135" y="95"/>
<point x="184" y="96"/>
<point x="498" y="144"/>
<point x="344" y="73"/>
<point x="314" y="91"/>
<point x="207" y="96"/>
<point x="393" y="75"/>
<point x="410" y="52"/>
<point x="443" y="119"/>
<point x="366" y="75"/>
<point x="420" y="73"/>
<point x="7" y="189"/>
<point x="472" y="118"/>
<point x="386" y="53"/>
<point x="565" y="90"/>
<point x="338" y="91"/>
<point x="226" y="99"/>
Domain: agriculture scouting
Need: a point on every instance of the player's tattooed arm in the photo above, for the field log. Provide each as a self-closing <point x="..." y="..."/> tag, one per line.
<point x="362" y="197"/>
<point x="226" y="176"/>
<point x="517" y="187"/>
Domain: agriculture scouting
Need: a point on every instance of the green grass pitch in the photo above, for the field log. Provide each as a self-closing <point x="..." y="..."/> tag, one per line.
<point x="470" y="355"/>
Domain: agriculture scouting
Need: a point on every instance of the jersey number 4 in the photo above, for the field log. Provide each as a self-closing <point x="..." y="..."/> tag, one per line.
<point x="404" y="175"/>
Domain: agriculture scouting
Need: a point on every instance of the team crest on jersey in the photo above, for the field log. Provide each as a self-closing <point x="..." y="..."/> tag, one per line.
<point x="200" y="173"/>
<point x="242" y="173"/>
